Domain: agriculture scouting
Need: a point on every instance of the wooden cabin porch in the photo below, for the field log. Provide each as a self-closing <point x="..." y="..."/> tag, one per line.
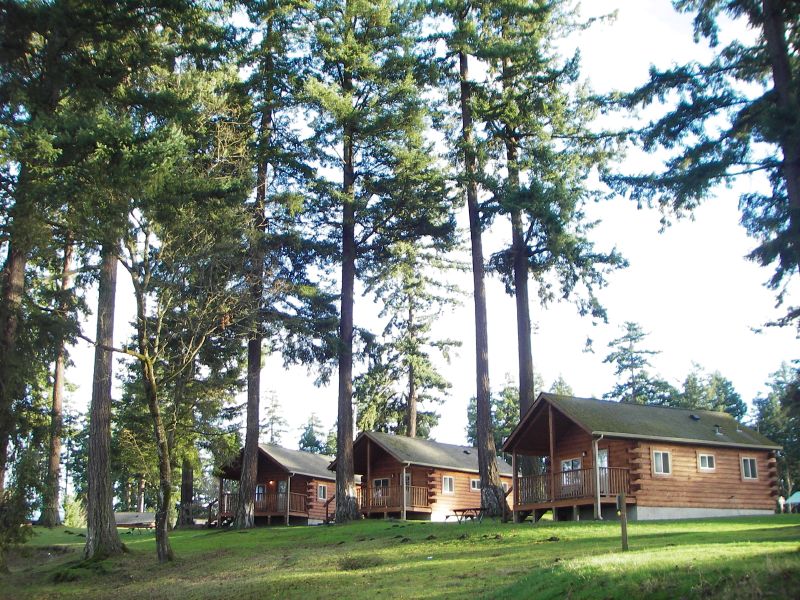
<point x="391" y="499"/>
<point x="268" y="505"/>
<point x="539" y="493"/>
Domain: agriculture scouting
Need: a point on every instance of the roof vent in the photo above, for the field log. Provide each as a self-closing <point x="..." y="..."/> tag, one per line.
<point x="694" y="417"/>
<point x="717" y="429"/>
<point x="467" y="452"/>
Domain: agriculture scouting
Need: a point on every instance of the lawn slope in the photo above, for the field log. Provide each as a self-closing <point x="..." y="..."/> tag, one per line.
<point x="717" y="558"/>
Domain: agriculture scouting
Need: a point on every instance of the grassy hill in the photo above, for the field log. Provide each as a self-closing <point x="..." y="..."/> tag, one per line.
<point x="718" y="558"/>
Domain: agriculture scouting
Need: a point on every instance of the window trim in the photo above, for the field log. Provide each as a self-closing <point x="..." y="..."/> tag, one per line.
<point x="377" y="479"/>
<point x="473" y="487"/>
<point x="706" y="469"/>
<point x="653" y="463"/>
<point x="744" y="457"/>
<point x="452" y="489"/>
<point x="321" y="487"/>
<point x="577" y="459"/>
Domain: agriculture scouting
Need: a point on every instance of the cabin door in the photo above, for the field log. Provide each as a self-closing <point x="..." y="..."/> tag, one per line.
<point x="282" y="495"/>
<point x="602" y="463"/>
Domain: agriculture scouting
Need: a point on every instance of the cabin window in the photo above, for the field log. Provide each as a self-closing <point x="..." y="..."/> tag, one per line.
<point x="749" y="470"/>
<point x="448" y="485"/>
<point x="567" y="476"/>
<point x="475" y="485"/>
<point x="505" y="486"/>
<point x="380" y="485"/>
<point x="260" y="491"/>
<point x="706" y="462"/>
<point x="662" y="462"/>
<point x="322" y="492"/>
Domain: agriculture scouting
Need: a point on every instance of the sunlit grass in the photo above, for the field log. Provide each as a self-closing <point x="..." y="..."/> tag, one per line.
<point x="739" y="558"/>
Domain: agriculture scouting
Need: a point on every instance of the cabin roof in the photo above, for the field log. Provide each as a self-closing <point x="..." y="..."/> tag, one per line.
<point x="299" y="462"/>
<point x="428" y="453"/>
<point x="643" y="421"/>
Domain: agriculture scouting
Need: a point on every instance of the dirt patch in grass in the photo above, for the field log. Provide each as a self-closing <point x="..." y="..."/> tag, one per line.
<point x="358" y="563"/>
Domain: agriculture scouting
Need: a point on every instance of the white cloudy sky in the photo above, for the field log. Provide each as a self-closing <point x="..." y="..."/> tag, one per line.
<point x="690" y="287"/>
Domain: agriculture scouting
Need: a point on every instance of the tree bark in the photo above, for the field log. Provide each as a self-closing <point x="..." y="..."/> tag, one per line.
<point x="346" y="506"/>
<point x="492" y="496"/>
<point x="186" y="516"/>
<point x="10" y="312"/>
<point x="411" y="416"/>
<point x="102" y="539"/>
<point x="788" y="105"/>
<point x="50" y="513"/>
<point x="140" y="495"/>
<point x="164" y="496"/>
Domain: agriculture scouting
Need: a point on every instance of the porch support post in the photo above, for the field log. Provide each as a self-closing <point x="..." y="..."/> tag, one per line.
<point x="288" y="495"/>
<point x="598" y="515"/>
<point x="514" y="486"/>
<point x="366" y="494"/>
<point x="552" y="428"/>
<point x="403" y="492"/>
<point x="220" y="501"/>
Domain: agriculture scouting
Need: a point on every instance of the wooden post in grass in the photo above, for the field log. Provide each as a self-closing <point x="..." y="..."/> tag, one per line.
<point x="622" y="511"/>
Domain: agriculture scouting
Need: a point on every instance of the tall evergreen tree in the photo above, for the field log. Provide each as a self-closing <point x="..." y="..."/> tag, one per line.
<point x="462" y="43"/>
<point x="310" y="438"/>
<point x="734" y="116"/>
<point x="539" y="125"/>
<point x="366" y="98"/>
<point x="636" y="384"/>
<point x="288" y="308"/>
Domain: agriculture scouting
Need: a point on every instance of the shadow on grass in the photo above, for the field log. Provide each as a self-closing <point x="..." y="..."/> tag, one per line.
<point x="758" y="575"/>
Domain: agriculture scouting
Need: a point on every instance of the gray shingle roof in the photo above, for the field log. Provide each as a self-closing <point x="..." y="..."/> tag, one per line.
<point x="622" y="419"/>
<point x="428" y="453"/>
<point x="300" y="462"/>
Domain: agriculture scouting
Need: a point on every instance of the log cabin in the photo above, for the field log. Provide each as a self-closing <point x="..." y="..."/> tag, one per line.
<point x="414" y="478"/>
<point x="292" y="486"/>
<point x="669" y="462"/>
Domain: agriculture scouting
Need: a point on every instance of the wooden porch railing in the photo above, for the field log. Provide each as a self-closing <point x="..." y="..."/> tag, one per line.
<point x="578" y="483"/>
<point x="392" y="496"/>
<point x="273" y="503"/>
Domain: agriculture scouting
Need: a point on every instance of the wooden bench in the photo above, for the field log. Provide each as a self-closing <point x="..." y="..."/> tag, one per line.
<point x="462" y="514"/>
<point x="135" y="520"/>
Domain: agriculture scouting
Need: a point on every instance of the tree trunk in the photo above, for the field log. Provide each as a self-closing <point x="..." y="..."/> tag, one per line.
<point x="788" y="105"/>
<point x="186" y="514"/>
<point x="411" y="415"/>
<point x="244" y="517"/>
<point x="492" y="496"/>
<point x="140" y="495"/>
<point x="102" y="539"/>
<point x="164" y="496"/>
<point x="50" y="514"/>
<point x="13" y="289"/>
<point x="346" y="506"/>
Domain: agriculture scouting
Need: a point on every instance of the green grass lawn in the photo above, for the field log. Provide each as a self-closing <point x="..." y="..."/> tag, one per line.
<point x="755" y="557"/>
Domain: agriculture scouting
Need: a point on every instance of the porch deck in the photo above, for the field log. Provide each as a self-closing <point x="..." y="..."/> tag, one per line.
<point x="571" y="488"/>
<point x="389" y="499"/>
<point x="267" y="505"/>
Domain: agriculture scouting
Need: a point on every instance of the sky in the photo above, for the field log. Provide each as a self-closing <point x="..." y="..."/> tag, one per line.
<point x="689" y="287"/>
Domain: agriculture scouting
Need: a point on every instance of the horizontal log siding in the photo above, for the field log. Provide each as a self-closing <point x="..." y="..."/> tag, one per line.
<point x="687" y="486"/>
<point x="573" y="444"/>
<point x="316" y="507"/>
<point x="462" y="496"/>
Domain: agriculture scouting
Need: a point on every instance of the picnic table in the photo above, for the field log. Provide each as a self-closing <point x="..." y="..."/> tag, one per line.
<point x="462" y="514"/>
<point x="135" y="520"/>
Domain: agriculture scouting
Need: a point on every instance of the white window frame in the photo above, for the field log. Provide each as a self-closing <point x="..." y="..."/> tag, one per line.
<point x="707" y="468"/>
<point x="452" y="484"/>
<point x="754" y="471"/>
<point x="505" y="486"/>
<point x="322" y="491"/>
<point x="656" y="464"/>
<point x="474" y="485"/>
